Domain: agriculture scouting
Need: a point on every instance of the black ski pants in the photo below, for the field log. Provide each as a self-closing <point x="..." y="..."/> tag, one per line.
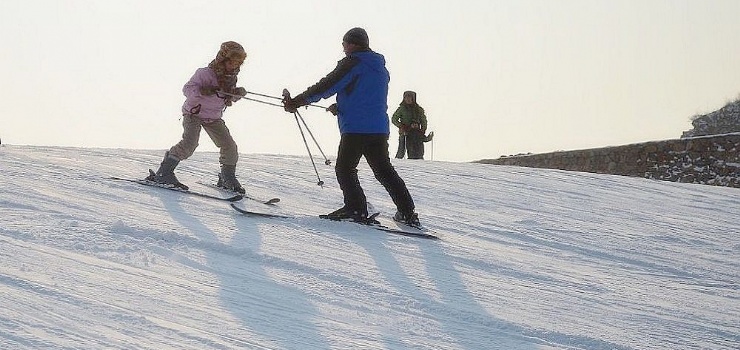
<point x="401" y="146"/>
<point x="374" y="147"/>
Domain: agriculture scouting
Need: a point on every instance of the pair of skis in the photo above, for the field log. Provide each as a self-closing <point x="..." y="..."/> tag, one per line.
<point x="402" y="229"/>
<point x="372" y="223"/>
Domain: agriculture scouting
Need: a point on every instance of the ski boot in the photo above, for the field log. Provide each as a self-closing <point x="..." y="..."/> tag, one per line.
<point x="345" y="214"/>
<point x="227" y="179"/>
<point x="409" y="219"/>
<point x="166" y="173"/>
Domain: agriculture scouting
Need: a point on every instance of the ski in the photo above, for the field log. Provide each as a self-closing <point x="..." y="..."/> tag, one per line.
<point x="259" y="213"/>
<point x="411" y="232"/>
<point x="392" y="223"/>
<point x="373" y="222"/>
<point x="418" y="234"/>
<point x="271" y="201"/>
<point x="177" y="189"/>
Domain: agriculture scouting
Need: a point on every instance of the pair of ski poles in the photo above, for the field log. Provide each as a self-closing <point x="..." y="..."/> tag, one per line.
<point x="297" y="116"/>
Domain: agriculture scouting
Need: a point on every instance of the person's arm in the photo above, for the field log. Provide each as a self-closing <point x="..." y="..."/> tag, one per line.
<point x="198" y="85"/>
<point x="396" y="119"/>
<point x="423" y="119"/>
<point x="329" y="85"/>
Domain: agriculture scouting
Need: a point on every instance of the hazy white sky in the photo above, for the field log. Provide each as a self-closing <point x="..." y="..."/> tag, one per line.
<point x="495" y="77"/>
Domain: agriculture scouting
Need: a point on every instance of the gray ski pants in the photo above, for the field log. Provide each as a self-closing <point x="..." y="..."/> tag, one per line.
<point x="216" y="130"/>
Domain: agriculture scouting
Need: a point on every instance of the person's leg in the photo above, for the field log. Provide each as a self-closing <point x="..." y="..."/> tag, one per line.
<point x="348" y="156"/>
<point x="401" y="146"/>
<point x="182" y="150"/>
<point x="190" y="136"/>
<point x="221" y="137"/>
<point x="376" y="154"/>
<point x="414" y="145"/>
<point x="229" y="155"/>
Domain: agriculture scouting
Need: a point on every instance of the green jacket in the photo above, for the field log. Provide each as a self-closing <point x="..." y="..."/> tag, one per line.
<point x="410" y="118"/>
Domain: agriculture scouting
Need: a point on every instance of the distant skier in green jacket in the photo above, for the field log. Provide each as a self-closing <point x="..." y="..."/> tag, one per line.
<point x="412" y="125"/>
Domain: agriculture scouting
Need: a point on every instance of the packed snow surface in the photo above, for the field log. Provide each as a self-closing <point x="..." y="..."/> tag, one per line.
<point x="528" y="259"/>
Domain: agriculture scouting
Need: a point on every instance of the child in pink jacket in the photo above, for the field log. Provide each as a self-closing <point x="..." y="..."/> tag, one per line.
<point x="204" y="105"/>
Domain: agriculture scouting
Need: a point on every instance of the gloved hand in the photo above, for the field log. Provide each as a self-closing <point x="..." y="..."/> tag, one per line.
<point x="332" y="109"/>
<point x="208" y="90"/>
<point x="429" y="137"/>
<point x="291" y="104"/>
<point x="238" y="91"/>
<point x="415" y="126"/>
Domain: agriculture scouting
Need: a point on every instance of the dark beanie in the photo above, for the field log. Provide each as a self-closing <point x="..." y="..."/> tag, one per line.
<point x="357" y="36"/>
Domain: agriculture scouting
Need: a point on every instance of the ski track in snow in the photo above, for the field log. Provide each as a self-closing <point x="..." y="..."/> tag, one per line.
<point x="528" y="259"/>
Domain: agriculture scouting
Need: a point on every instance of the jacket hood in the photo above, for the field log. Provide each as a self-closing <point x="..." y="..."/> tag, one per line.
<point x="370" y="58"/>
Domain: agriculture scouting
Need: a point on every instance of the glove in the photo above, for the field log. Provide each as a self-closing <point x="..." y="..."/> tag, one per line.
<point x="415" y="126"/>
<point x="429" y="137"/>
<point x="238" y="91"/>
<point x="291" y="104"/>
<point x="208" y="91"/>
<point x="332" y="109"/>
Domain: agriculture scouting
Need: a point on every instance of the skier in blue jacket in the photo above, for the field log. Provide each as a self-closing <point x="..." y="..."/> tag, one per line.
<point x="360" y="81"/>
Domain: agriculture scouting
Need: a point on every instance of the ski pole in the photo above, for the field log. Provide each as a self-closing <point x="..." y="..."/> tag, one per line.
<point x="326" y="160"/>
<point x="277" y="98"/>
<point x="263" y="95"/>
<point x="221" y="93"/>
<point x="310" y="156"/>
<point x="286" y="95"/>
<point x="432" y="149"/>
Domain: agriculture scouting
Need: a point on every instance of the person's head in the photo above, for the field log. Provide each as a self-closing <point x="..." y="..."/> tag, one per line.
<point x="355" y="39"/>
<point x="231" y="55"/>
<point x="409" y="97"/>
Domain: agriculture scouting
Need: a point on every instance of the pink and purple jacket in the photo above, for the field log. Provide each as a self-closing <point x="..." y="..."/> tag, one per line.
<point x="208" y="108"/>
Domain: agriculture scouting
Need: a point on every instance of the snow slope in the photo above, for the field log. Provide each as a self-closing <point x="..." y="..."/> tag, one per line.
<point x="529" y="259"/>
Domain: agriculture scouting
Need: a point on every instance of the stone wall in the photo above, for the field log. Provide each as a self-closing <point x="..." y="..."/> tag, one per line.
<point x="722" y="121"/>
<point x="710" y="160"/>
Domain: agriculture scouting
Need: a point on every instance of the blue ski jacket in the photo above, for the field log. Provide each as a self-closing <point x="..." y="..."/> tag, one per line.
<point x="360" y="82"/>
